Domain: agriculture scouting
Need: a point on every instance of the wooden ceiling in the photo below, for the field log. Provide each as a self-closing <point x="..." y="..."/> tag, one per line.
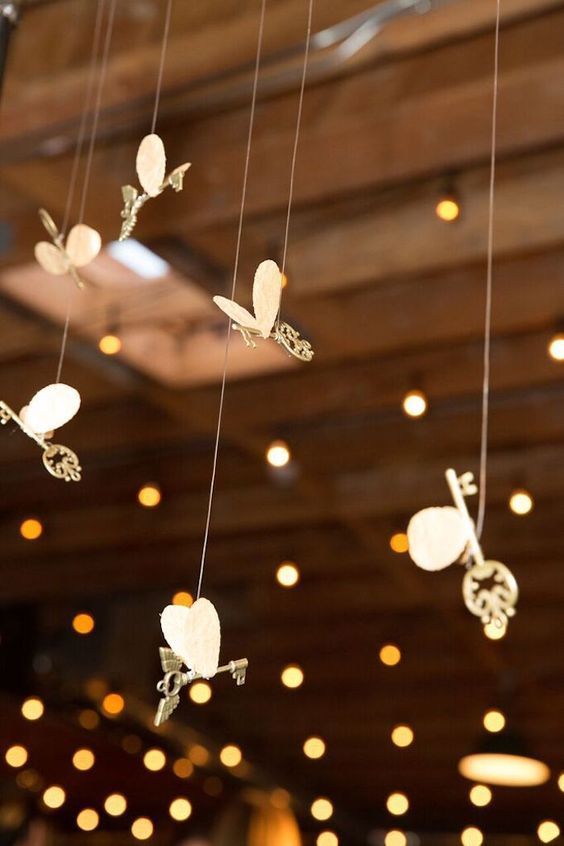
<point x="392" y="299"/>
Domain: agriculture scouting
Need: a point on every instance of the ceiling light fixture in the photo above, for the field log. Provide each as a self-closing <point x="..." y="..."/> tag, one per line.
<point x="278" y="454"/>
<point x="556" y="347"/>
<point x="138" y="258"/>
<point x="415" y="404"/>
<point x="503" y="759"/>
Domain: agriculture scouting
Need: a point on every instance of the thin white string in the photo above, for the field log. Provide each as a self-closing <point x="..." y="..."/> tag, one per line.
<point x="489" y="289"/>
<point x="161" y="64"/>
<point x="297" y="135"/>
<point x="89" y="157"/>
<point x="233" y="289"/>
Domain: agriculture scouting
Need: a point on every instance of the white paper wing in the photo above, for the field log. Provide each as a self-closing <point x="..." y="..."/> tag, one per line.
<point x="50" y="258"/>
<point x="437" y="537"/>
<point x="267" y="288"/>
<point x="151" y="164"/>
<point x="194" y="634"/>
<point x="237" y="313"/>
<point x="83" y="244"/>
<point x="52" y="407"/>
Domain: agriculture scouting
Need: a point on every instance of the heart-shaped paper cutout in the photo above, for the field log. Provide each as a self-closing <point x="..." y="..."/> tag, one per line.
<point x="194" y="634"/>
<point x="437" y="537"/>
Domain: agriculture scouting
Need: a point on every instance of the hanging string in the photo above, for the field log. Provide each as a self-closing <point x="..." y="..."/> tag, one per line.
<point x="80" y="144"/>
<point x="164" y="45"/>
<point x="84" y="117"/>
<point x="233" y="290"/>
<point x="297" y="137"/>
<point x="489" y="289"/>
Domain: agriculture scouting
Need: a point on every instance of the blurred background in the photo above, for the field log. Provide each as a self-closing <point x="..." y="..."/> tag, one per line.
<point x="368" y="680"/>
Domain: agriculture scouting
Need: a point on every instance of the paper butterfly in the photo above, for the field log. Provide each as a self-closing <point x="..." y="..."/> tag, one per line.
<point x="150" y="166"/>
<point x="267" y="290"/>
<point x="82" y="246"/>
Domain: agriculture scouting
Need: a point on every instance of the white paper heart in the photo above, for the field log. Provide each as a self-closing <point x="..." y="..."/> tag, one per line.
<point x="194" y="634"/>
<point x="52" y="407"/>
<point x="437" y="537"/>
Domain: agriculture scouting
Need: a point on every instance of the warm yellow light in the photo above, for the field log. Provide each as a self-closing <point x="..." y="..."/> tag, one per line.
<point x="395" y="838"/>
<point x="142" y="828"/>
<point x="314" y="747"/>
<point x="399" y="542"/>
<point x="472" y="836"/>
<point x="321" y="809"/>
<point x="561" y="782"/>
<point x="327" y="838"/>
<point x="390" y="655"/>
<point x="283" y="280"/>
<point x="494" y="721"/>
<point x="521" y="502"/>
<point x="415" y="404"/>
<point x="230" y="756"/>
<point x="154" y="759"/>
<point x="480" y="795"/>
<point x="109" y="344"/>
<point x="200" y="692"/>
<point x="33" y="708"/>
<point x="180" y="809"/>
<point x="183" y="768"/>
<point x="503" y="769"/>
<point x="83" y="623"/>
<point x="278" y="454"/>
<point x="402" y="736"/>
<point x="182" y="597"/>
<point x="89" y="719"/>
<point x="16" y="756"/>
<point x="287" y="574"/>
<point x="115" y="804"/>
<point x="88" y="819"/>
<point x="31" y="529"/>
<point x="149" y="496"/>
<point x="83" y="759"/>
<point x="199" y="755"/>
<point x="556" y="347"/>
<point x="113" y="704"/>
<point x="494" y="632"/>
<point x="397" y="804"/>
<point x="447" y="209"/>
<point x="292" y="676"/>
<point x="548" y="830"/>
<point x="54" y="796"/>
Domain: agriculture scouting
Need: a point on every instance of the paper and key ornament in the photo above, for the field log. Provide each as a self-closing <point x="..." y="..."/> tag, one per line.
<point x="49" y="409"/>
<point x="60" y="257"/>
<point x="438" y="537"/>
<point x="150" y="165"/>
<point x="267" y="291"/>
<point x="194" y="636"/>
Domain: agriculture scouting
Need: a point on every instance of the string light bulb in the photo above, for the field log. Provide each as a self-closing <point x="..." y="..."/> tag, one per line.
<point x="154" y="759"/>
<point x="278" y="454"/>
<point x="395" y="838"/>
<point x="556" y="347"/>
<point x="548" y="831"/>
<point x="110" y="344"/>
<point x="115" y="804"/>
<point x="447" y="208"/>
<point x="472" y="836"/>
<point x="182" y="597"/>
<point x="321" y="809"/>
<point x="31" y="529"/>
<point x="292" y="676"/>
<point x="16" y="756"/>
<point x="83" y="623"/>
<point x="314" y="748"/>
<point x="494" y="720"/>
<point x="521" y="502"/>
<point x="480" y="795"/>
<point x="54" y="797"/>
<point x="200" y="692"/>
<point x="180" y="809"/>
<point x="402" y="736"/>
<point x="230" y="756"/>
<point x="88" y="819"/>
<point x="397" y="804"/>
<point x="33" y="708"/>
<point x="390" y="655"/>
<point x="327" y="838"/>
<point x="183" y="768"/>
<point x="287" y="574"/>
<point x="149" y="496"/>
<point x="399" y="542"/>
<point x="83" y="759"/>
<point x="113" y="704"/>
<point x="142" y="828"/>
<point x="415" y="404"/>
